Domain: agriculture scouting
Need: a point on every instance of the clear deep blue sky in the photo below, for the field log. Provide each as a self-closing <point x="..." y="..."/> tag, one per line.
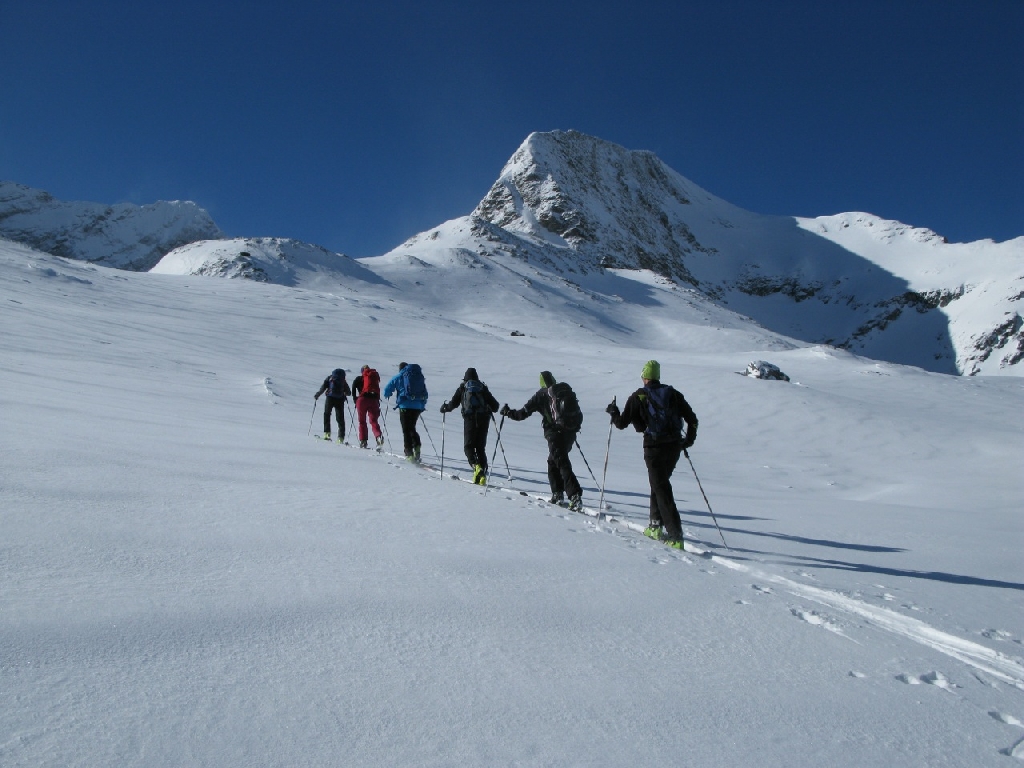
<point x="356" y="125"/>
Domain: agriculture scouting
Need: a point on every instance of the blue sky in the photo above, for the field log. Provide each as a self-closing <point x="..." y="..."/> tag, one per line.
<point x="357" y="125"/>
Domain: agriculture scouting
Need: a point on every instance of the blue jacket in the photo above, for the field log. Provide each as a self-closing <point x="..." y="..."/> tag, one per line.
<point x="396" y="385"/>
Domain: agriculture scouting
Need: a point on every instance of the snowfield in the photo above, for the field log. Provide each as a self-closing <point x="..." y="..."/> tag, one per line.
<point x="189" y="578"/>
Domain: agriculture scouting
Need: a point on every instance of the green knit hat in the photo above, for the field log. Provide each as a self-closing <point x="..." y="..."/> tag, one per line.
<point x="652" y="370"/>
<point x="546" y="379"/>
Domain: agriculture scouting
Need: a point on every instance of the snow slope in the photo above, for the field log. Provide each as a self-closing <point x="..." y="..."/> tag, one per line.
<point x="189" y="579"/>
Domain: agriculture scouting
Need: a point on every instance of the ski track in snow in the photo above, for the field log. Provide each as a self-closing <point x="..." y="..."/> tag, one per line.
<point x="998" y="665"/>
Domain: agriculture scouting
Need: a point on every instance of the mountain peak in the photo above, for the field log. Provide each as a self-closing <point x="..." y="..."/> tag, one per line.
<point x="608" y="205"/>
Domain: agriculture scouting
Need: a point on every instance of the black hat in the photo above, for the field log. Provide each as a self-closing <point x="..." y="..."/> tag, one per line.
<point x="470" y="375"/>
<point x="401" y="366"/>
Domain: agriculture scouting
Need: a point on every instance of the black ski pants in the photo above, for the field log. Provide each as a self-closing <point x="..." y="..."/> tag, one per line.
<point x="661" y="460"/>
<point x="474" y="439"/>
<point x="410" y="437"/>
<point x="337" y="404"/>
<point x="560" y="474"/>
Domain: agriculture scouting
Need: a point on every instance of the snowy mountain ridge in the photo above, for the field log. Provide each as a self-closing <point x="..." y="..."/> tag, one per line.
<point x="124" y="236"/>
<point x="567" y="232"/>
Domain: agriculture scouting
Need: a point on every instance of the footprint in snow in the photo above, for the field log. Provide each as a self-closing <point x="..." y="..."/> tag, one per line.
<point x="1004" y="718"/>
<point x="1017" y="750"/>
<point x="937" y="679"/>
<point x="762" y="590"/>
<point x="815" y="619"/>
<point x="1000" y="634"/>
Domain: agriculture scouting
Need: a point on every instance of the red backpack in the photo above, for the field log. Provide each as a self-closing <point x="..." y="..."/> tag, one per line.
<point x="371" y="383"/>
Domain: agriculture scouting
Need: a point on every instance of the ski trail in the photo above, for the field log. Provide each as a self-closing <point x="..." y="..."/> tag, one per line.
<point x="1006" y="668"/>
<point x="1000" y="666"/>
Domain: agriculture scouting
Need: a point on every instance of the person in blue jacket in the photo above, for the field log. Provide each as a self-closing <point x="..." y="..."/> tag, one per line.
<point x="411" y="389"/>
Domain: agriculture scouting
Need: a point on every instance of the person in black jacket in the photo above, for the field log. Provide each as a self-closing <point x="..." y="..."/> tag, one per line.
<point x="477" y="404"/>
<point x="560" y="441"/>
<point x="659" y="411"/>
<point x="337" y="394"/>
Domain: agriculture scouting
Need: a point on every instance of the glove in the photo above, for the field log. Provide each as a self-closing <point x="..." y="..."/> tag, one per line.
<point x="444" y="408"/>
<point x="612" y="409"/>
<point x="316" y="396"/>
<point x="688" y="443"/>
<point x="505" y="410"/>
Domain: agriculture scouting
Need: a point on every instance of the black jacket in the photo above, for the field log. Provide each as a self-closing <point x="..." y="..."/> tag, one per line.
<point x="456" y="400"/>
<point x="635" y="413"/>
<point x="539" y="403"/>
<point x="345" y="391"/>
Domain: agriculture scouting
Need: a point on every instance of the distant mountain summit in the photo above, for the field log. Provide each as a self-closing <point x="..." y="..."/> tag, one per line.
<point x="876" y="287"/>
<point x="124" y="236"/>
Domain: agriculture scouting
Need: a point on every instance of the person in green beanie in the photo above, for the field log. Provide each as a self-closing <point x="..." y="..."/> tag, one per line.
<point x="561" y="419"/>
<point x="659" y="412"/>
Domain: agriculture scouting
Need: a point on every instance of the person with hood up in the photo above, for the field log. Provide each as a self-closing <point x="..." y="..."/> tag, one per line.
<point x="659" y="411"/>
<point x="337" y="395"/>
<point x="560" y="430"/>
<point x="410" y="389"/>
<point x="477" y="404"/>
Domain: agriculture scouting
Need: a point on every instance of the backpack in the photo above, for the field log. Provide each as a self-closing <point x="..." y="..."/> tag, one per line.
<point x="664" y="422"/>
<point x="371" y="383"/>
<point x="414" y="386"/>
<point x="473" y="401"/>
<point x="336" y="383"/>
<point x="565" y="408"/>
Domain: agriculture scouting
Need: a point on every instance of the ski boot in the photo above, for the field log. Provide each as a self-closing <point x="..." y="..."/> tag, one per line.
<point x="478" y="474"/>
<point x="653" y="532"/>
<point x="557" y="497"/>
<point x="327" y="436"/>
<point x="672" y="542"/>
<point x="576" y="503"/>
<point x="362" y="444"/>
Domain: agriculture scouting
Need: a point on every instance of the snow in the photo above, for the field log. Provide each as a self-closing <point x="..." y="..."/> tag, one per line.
<point x="188" y="578"/>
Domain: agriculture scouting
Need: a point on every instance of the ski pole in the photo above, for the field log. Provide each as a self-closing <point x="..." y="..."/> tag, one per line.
<point x="607" y="451"/>
<point x="310" y="430"/>
<point x="494" y="455"/>
<point x="687" y="455"/>
<point x="351" y="419"/>
<point x="585" y="460"/>
<point x="424" y="423"/>
<point x="443" y="415"/>
<point x="497" y="440"/>
<point x="386" y="433"/>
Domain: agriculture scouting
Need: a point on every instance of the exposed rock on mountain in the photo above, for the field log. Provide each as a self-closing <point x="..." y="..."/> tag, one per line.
<point x="124" y="236"/>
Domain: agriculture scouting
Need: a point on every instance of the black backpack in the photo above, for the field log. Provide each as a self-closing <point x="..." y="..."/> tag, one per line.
<point x="664" y="423"/>
<point x="565" y="407"/>
<point x="336" y="383"/>
<point x="473" y="402"/>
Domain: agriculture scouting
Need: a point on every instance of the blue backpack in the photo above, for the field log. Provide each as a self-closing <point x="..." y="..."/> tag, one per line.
<point x="473" y="399"/>
<point x="664" y="423"/>
<point x="414" y="386"/>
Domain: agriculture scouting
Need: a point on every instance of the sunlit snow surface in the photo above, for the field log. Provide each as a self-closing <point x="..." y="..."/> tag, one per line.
<point x="188" y="578"/>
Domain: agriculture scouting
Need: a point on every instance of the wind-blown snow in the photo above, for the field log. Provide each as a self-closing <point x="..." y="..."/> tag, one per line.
<point x="189" y="579"/>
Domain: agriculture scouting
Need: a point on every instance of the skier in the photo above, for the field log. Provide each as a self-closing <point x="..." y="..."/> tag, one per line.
<point x="410" y="389"/>
<point x="337" y="395"/>
<point x="560" y="430"/>
<point x="659" y="411"/>
<point x="477" y="404"/>
<point x="366" y="390"/>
